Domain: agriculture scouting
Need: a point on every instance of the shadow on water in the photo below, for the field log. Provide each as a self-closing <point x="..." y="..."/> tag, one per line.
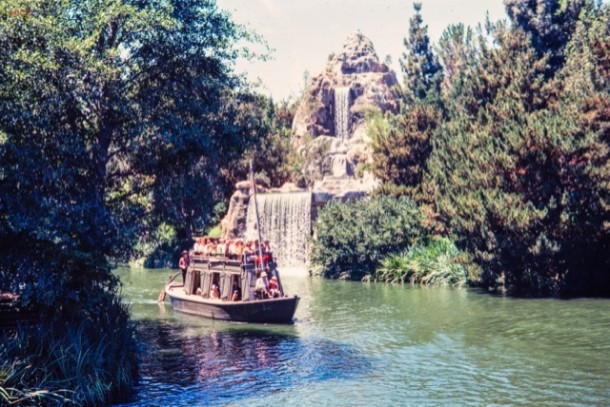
<point x="212" y="365"/>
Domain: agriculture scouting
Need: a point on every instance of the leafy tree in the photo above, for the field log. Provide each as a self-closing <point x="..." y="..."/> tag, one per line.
<point x="352" y="237"/>
<point x="110" y="113"/>
<point x="550" y="23"/>
<point x="422" y="73"/>
<point x="520" y="168"/>
<point x="273" y="151"/>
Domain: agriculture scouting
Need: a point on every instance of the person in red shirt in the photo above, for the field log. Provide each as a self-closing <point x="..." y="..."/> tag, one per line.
<point x="274" y="288"/>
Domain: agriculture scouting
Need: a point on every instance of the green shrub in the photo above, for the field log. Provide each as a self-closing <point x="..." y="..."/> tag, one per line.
<point x="352" y="236"/>
<point x="90" y="362"/>
<point x="439" y="262"/>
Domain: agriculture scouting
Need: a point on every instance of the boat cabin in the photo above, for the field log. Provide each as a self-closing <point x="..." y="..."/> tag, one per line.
<point x="218" y="277"/>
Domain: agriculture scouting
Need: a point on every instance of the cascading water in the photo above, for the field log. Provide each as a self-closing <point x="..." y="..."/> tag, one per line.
<point x="342" y="113"/>
<point x="286" y="222"/>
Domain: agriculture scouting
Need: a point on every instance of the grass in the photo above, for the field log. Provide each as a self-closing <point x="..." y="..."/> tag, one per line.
<point x="438" y="263"/>
<point x="54" y="364"/>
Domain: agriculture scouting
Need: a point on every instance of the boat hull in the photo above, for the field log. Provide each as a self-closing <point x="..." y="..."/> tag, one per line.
<point x="276" y="310"/>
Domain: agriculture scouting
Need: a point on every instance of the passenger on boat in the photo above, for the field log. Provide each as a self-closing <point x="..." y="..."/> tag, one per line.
<point x="235" y="292"/>
<point x="229" y="246"/>
<point x="199" y="247"/>
<point x="261" y="289"/>
<point x="274" y="288"/>
<point x="266" y="246"/>
<point x="239" y="248"/>
<point x="211" y="248"/>
<point x="183" y="264"/>
<point x="220" y="248"/>
<point x="215" y="292"/>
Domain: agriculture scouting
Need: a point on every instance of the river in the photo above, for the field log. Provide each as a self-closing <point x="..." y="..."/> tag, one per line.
<point x="355" y="344"/>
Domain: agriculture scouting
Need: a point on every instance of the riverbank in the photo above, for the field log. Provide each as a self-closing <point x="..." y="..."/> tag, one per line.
<point x="86" y="362"/>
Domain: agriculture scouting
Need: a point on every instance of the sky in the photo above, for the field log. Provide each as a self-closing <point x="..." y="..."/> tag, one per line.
<point x="302" y="33"/>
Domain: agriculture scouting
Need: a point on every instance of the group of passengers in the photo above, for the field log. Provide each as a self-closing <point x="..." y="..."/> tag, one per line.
<point x="249" y="252"/>
<point x="233" y="249"/>
<point x="215" y="290"/>
<point x="266" y="288"/>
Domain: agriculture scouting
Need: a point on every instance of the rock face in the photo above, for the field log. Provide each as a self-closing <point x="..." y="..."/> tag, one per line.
<point x="234" y="225"/>
<point x="329" y="131"/>
<point x="370" y="84"/>
<point x="329" y="128"/>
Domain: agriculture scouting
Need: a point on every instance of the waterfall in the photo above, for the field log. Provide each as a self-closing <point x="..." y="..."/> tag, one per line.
<point x="338" y="165"/>
<point x="285" y="222"/>
<point x="342" y="113"/>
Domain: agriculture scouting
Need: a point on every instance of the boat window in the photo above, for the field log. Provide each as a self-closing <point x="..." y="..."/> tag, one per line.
<point x="215" y="286"/>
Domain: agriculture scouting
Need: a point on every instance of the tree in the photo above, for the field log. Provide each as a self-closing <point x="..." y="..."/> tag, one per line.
<point x="520" y="169"/>
<point x="401" y="144"/>
<point x="457" y="52"/>
<point x="109" y="111"/>
<point x="422" y="74"/>
<point x="550" y="23"/>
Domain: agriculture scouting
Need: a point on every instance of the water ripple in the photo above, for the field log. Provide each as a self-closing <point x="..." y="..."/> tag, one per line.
<point x="224" y="366"/>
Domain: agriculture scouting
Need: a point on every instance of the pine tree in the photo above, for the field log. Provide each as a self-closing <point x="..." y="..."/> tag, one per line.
<point x="401" y="145"/>
<point x="550" y="23"/>
<point x="422" y="73"/>
<point x="520" y="170"/>
<point x="457" y="52"/>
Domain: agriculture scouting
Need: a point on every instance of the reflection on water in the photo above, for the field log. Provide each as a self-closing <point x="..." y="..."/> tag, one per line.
<point x="186" y="366"/>
<point x="371" y="344"/>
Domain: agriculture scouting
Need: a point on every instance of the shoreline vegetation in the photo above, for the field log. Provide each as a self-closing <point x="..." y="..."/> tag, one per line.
<point x="57" y="362"/>
<point x="122" y="126"/>
<point x="503" y="143"/>
<point x="123" y="129"/>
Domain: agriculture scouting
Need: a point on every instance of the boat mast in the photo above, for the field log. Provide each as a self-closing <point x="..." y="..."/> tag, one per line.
<point x="258" y="223"/>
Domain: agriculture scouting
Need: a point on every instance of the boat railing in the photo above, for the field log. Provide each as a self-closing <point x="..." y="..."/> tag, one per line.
<point x="215" y="261"/>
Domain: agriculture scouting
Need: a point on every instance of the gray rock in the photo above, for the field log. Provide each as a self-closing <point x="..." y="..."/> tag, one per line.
<point x="372" y="87"/>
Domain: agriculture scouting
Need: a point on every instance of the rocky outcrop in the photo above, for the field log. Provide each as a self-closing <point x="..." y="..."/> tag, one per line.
<point x="320" y="131"/>
<point x="329" y="130"/>
<point x="342" y="188"/>
<point x="371" y="87"/>
<point x="234" y="224"/>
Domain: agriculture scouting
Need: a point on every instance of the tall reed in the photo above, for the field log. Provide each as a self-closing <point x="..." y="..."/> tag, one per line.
<point x="439" y="262"/>
<point x="89" y="363"/>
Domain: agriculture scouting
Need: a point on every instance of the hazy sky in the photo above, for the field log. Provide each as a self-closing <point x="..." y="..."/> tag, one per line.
<point x="304" y="32"/>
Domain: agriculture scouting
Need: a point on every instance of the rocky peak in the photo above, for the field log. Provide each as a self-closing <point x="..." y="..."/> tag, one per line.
<point x="357" y="56"/>
<point x="332" y="110"/>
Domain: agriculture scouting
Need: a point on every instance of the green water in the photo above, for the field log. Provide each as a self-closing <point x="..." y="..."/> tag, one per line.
<point x="356" y="344"/>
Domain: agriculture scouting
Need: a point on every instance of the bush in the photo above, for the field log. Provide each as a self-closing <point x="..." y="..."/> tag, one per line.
<point x="352" y="236"/>
<point x="91" y="362"/>
<point x="439" y="262"/>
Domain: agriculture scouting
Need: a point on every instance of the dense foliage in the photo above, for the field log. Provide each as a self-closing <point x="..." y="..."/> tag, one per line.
<point x="401" y="145"/>
<point x="515" y="167"/>
<point x="522" y="177"/>
<point x="351" y="237"/>
<point x="118" y="122"/>
<point x="70" y="362"/>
